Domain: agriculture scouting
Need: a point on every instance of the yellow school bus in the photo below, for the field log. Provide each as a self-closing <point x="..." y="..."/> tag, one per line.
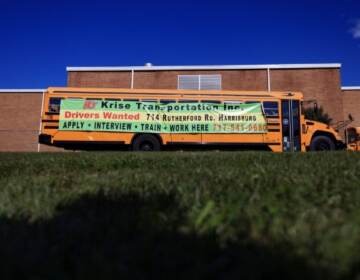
<point x="352" y="135"/>
<point x="155" y="119"/>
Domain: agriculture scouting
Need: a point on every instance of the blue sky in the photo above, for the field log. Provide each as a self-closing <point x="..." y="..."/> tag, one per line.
<point x="40" y="38"/>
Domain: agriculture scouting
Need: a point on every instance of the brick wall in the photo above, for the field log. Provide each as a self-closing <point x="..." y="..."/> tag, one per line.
<point x="322" y="85"/>
<point x="19" y="122"/>
<point x="352" y="105"/>
<point x="99" y="79"/>
<point x="231" y="79"/>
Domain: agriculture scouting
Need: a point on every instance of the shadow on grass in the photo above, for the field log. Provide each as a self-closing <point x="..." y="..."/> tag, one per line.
<point x="132" y="237"/>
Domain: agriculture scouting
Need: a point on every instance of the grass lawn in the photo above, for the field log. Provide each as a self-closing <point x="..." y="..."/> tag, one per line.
<point x="176" y="215"/>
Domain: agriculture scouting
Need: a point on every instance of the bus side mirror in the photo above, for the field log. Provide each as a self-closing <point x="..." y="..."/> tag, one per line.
<point x="351" y="117"/>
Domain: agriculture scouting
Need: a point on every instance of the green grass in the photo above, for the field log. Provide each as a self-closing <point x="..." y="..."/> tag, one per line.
<point x="176" y="215"/>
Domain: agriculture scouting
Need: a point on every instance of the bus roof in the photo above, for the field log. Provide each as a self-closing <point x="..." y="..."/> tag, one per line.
<point x="217" y="93"/>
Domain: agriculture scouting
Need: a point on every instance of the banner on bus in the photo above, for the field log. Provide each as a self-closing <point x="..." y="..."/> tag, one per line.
<point x="152" y="117"/>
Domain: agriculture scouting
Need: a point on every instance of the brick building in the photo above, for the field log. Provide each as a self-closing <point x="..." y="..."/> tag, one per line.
<point x="351" y="103"/>
<point x="20" y="109"/>
<point x="20" y="120"/>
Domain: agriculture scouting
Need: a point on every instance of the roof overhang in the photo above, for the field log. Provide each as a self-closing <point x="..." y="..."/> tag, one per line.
<point x="205" y="67"/>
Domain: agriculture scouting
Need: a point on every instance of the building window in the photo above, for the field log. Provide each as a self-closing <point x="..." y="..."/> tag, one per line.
<point x="199" y="82"/>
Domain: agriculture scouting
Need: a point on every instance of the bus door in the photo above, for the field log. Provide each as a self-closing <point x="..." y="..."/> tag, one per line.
<point x="291" y="125"/>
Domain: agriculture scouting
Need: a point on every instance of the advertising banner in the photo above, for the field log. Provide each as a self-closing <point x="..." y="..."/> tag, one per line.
<point x="152" y="117"/>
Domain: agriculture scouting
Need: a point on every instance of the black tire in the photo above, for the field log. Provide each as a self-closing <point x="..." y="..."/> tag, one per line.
<point x="146" y="143"/>
<point x="322" y="143"/>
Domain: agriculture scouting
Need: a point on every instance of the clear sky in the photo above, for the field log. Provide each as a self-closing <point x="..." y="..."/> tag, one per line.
<point x="40" y="38"/>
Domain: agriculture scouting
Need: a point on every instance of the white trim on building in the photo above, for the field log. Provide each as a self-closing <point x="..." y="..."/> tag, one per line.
<point x="350" y="88"/>
<point x="206" y="67"/>
<point x="22" y="90"/>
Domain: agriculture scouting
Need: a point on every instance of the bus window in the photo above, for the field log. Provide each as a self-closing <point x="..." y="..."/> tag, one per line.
<point x="95" y="99"/>
<point x="271" y="108"/>
<point x="211" y="101"/>
<point x="251" y="102"/>
<point x="233" y="102"/>
<point x="188" y="101"/>
<point x="112" y="99"/>
<point x="233" y="105"/>
<point x="130" y="99"/>
<point x="351" y="135"/>
<point x="165" y="101"/>
<point x="54" y="105"/>
<point x="148" y="100"/>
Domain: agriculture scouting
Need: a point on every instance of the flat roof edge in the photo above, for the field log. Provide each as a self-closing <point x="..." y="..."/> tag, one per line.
<point x="22" y="90"/>
<point x="351" y="88"/>
<point x="205" y="67"/>
<point x="154" y="91"/>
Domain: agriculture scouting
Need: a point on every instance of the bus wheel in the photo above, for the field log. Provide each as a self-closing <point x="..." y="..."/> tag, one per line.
<point x="146" y="143"/>
<point x="322" y="143"/>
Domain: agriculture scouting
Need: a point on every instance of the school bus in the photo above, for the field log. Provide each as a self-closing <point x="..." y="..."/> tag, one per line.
<point x="353" y="138"/>
<point x="155" y="119"/>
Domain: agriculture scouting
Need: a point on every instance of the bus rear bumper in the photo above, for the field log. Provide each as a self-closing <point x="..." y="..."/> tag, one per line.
<point x="45" y="139"/>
